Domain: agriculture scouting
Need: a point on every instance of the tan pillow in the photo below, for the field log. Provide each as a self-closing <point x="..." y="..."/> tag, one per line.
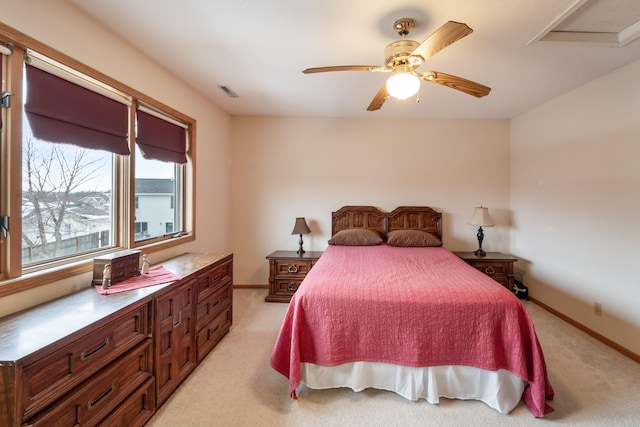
<point x="356" y="237"/>
<point x="412" y="238"/>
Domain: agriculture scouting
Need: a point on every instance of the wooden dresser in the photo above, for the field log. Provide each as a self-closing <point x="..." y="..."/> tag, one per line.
<point x="88" y="359"/>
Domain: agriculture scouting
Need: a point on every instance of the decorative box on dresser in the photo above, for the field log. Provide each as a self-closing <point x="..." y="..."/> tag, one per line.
<point x="287" y="269"/>
<point x="495" y="264"/>
<point x="89" y="359"/>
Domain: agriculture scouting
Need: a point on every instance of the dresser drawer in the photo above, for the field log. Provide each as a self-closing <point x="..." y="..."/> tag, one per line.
<point x="293" y="267"/>
<point x="136" y="410"/>
<point x="209" y="282"/>
<point x="209" y="336"/>
<point x="56" y="373"/>
<point x="96" y="398"/>
<point x="213" y="305"/>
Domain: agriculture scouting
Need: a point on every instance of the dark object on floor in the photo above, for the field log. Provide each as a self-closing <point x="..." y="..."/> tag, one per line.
<point x="520" y="290"/>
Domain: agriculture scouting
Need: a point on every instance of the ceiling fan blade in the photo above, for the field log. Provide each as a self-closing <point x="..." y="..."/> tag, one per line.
<point x="454" y="82"/>
<point x="449" y="33"/>
<point x="379" y="99"/>
<point x="345" y="68"/>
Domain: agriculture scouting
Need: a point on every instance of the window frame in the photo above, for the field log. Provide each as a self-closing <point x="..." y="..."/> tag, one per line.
<point x="13" y="276"/>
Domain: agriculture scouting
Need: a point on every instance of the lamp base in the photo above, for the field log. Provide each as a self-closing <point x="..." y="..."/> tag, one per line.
<point x="480" y="235"/>
<point x="480" y="253"/>
<point x="300" y="251"/>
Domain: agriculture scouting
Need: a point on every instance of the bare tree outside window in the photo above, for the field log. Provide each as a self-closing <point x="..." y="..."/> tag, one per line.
<point x="66" y="206"/>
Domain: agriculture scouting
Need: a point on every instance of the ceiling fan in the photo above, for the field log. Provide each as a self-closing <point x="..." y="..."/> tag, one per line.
<point x="404" y="56"/>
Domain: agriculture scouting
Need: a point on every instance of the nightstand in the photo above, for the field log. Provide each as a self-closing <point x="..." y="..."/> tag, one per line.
<point x="287" y="269"/>
<point x="495" y="264"/>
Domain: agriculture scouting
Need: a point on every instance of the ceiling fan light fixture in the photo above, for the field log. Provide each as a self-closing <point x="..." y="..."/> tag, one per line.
<point x="403" y="84"/>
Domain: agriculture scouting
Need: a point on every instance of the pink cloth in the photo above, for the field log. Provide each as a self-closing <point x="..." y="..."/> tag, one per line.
<point x="155" y="276"/>
<point x="408" y="306"/>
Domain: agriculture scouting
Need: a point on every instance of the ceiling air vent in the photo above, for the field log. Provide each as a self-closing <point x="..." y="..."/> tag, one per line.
<point x="229" y="92"/>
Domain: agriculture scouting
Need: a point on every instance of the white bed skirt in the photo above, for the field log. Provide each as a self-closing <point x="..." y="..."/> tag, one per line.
<point x="500" y="389"/>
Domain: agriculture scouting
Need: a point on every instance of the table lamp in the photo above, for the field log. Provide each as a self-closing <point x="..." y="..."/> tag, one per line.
<point x="300" y="228"/>
<point x="480" y="218"/>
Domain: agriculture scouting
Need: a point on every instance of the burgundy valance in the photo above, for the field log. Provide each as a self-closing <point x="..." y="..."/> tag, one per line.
<point x="159" y="139"/>
<point x="64" y="112"/>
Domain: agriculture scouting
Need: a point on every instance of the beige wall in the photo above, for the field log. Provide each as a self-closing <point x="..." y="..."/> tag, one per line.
<point x="64" y="28"/>
<point x="288" y="167"/>
<point x="575" y="194"/>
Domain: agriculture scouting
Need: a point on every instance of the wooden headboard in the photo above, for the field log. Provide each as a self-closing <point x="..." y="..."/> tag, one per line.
<point x="402" y="218"/>
<point x="368" y="217"/>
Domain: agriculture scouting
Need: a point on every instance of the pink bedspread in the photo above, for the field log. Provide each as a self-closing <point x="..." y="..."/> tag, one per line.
<point x="408" y="306"/>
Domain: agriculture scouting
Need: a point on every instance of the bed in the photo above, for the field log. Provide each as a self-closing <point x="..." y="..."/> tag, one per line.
<point x="404" y="314"/>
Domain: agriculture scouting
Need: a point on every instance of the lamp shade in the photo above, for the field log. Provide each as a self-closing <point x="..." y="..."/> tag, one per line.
<point x="403" y="84"/>
<point x="481" y="217"/>
<point x="301" y="227"/>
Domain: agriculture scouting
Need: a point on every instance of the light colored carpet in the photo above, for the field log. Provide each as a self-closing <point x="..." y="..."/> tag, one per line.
<point x="235" y="386"/>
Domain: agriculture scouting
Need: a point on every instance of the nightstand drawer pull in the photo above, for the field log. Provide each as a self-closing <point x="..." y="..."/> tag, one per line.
<point x="489" y="270"/>
<point x="293" y="268"/>
<point x="291" y="286"/>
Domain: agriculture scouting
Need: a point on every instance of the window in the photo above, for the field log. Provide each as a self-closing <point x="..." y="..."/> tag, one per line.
<point x="142" y="230"/>
<point x="157" y="183"/>
<point x="68" y="146"/>
<point x="87" y="185"/>
<point x="161" y="146"/>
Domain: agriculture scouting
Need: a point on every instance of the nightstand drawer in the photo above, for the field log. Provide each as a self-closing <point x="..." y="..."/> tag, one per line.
<point x="494" y="269"/>
<point x="293" y="267"/>
<point x="286" y="286"/>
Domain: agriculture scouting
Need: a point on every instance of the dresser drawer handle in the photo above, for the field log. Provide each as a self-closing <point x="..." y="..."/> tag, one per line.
<point x="92" y="403"/>
<point x="293" y="268"/>
<point x="179" y="320"/>
<point x="213" y="331"/>
<point x="87" y="354"/>
<point x="490" y="270"/>
<point x="291" y="286"/>
<point x="213" y="304"/>
<point x="215" y="279"/>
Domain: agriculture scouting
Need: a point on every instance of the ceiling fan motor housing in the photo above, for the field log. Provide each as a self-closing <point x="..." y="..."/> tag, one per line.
<point x="399" y="53"/>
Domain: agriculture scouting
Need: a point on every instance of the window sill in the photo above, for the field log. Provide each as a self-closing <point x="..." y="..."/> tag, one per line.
<point x="49" y="275"/>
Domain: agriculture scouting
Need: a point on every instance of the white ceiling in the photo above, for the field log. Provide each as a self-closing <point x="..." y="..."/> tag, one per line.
<point x="258" y="49"/>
